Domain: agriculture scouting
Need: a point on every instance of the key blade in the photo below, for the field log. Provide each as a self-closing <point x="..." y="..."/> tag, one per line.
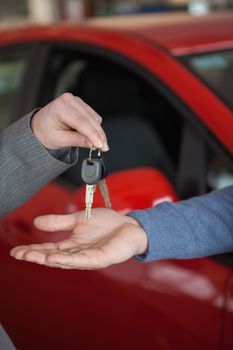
<point x="89" y="197"/>
<point x="105" y="193"/>
<point x="87" y="214"/>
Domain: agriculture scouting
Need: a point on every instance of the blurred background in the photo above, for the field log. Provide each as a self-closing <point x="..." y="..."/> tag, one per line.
<point x="14" y="12"/>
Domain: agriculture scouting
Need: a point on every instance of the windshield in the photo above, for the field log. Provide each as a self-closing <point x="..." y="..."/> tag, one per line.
<point x="216" y="70"/>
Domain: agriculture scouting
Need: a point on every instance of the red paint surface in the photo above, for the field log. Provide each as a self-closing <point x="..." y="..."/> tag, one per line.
<point x="131" y="189"/>
<point x="162" y="305"/>
<point x="228" y="319"/>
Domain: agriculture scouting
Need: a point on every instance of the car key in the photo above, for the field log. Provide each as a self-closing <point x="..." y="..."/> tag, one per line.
<point x="103" y="185"/>
<point x="89" y="197"/>
<point x="91" y="173"/>
<point x="105" y="193"/>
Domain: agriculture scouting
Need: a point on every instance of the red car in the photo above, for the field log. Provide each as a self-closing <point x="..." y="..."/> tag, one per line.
<point x="164" y="86"/>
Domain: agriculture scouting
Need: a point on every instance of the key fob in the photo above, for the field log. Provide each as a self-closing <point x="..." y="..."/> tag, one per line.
<point x="91" y="171"/>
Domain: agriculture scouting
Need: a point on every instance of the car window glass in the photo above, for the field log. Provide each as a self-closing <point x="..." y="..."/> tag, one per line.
<point x="12" y="68"/>
<point x="128" y="106"/>
<point x="69" y="77"/>
<point x="216" y="70"/>
<point x="220" y="173"/>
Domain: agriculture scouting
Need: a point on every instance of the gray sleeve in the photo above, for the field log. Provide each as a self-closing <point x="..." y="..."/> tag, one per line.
<point x="193" y="228"/>
<point x="25" y="165"/>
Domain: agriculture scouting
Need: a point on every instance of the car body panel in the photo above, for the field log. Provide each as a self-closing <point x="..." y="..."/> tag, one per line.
<point x="167" y="303"/>
<point x="178" y="33"/>
<point x="228" y="318"/>
<point x="172" y="305"/>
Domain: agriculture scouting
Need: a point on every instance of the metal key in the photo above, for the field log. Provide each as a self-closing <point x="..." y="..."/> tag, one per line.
<point x="103" y="185"/>
<point x="91" y="173"/>
<point x="94" y="171"/>
<point x="105" y="193"/>
<point x="89" y="197"/>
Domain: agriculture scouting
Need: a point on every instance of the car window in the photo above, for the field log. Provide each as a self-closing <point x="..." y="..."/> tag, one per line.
<point x="12" y="68"/>
<point x="69" y="76"/>
<point x="128" y="105"/>
<point x="219" y="172"/>
<point x="216" y="70"/>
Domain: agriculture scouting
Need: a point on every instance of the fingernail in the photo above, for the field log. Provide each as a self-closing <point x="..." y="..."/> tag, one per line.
<point x="105" y="147"/>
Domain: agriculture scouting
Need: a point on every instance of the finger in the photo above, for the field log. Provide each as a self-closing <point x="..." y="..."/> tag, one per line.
<point x="72" y="260"/>
<point x="88" y="109"/>
<point x="82" y="260"/>
<point x="79" y="104"/>
<point x="78" y="121"/>
<point x="64" y="267"/>
<point x="67" y="244"/>
<point x="73" y="138"/>
<point x="60" y="266"/>
<point x="81" y="107"/>
<point x="35" y="256"/>
<point x="42" y="246"/>
<point x="54" y="223"/>
<point x="77" y="117"/>
<point x="20" y="251"/>
<point x="38" y="257"/>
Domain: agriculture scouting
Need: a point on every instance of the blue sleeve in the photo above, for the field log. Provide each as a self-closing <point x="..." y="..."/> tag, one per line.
<point x="193" y="228"/>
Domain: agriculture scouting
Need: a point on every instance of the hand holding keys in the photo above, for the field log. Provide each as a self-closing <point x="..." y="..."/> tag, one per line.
<point x="93" y="173"/>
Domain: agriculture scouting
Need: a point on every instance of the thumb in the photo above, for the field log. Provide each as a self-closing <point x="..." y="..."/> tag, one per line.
<point x="55" y="222"/>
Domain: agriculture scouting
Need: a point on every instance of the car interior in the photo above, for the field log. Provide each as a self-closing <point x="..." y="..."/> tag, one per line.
<point x="128" y="118"/>
<point x="143" y="129"/>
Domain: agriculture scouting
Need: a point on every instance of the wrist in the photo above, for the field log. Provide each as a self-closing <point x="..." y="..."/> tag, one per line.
<point x="36" y="129"/>
<point x="140" y="237"/>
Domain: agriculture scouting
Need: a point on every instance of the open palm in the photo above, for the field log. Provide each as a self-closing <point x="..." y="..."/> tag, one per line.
<point x="108" y="238"/>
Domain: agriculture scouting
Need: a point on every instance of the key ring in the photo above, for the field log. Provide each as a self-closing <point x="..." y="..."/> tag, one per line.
<point x="93" y="149"/>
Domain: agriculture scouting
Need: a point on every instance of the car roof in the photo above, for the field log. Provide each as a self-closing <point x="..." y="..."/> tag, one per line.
<point x="176" y="33"/>
<point x="179" y="33"/>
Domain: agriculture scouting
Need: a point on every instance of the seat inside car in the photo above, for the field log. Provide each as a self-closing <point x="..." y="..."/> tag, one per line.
<point x="134" y="142"/>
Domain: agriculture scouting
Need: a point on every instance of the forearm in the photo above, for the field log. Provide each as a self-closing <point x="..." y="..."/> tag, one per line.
<point x="197" y="227"/>
<point x="26" y="165"/>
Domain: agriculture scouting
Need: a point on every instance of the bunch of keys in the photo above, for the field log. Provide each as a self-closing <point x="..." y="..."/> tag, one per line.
<point x="93" y="173"/>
